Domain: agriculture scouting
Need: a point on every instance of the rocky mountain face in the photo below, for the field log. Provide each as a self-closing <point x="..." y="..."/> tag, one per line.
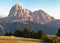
<point x="41" y="17"/>
<point x="18" y="13"/>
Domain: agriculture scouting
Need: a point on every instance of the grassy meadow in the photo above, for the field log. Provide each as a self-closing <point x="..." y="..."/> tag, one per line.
<point x="11" y="39"/>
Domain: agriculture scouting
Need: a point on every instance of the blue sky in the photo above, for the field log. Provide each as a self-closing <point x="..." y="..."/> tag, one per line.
<point x="52" y="7"/>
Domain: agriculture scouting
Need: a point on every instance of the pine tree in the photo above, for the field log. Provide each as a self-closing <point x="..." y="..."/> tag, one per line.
<point x="18" y="33"/>
<point x="34" y="34"/>
<point x="58" y="33"/>
<point x="40" y="34"/>
<point x="8" y="34"/>
<point x="26" y="33"/>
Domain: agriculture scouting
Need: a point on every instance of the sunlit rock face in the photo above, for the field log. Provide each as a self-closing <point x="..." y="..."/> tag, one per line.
<point x="17" y="12"/>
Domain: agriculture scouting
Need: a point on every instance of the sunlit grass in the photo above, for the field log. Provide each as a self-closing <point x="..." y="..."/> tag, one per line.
<point x="11" y="39"/>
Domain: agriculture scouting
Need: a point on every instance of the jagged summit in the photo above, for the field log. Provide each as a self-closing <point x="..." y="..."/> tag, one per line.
<point x="14" y="10"/>
<point x="18" y="6"/>
<point x="17" y="12"/>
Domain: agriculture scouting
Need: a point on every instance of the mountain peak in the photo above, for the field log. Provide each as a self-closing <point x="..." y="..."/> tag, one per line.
<point x="15" y="10"/>
<point x="18" y="6"/>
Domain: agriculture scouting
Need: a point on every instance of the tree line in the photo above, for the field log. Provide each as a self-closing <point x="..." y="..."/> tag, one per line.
<point x="26" y="33"/>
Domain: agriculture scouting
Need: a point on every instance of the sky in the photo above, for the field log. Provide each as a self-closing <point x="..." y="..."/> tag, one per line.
<point x="52" y="7"/>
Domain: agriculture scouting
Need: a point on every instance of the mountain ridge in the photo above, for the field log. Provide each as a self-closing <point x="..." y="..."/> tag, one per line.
<point x="17" y="12"/>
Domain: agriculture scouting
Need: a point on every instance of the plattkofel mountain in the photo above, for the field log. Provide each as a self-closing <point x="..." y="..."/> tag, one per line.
<point x="20" y="17"/>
